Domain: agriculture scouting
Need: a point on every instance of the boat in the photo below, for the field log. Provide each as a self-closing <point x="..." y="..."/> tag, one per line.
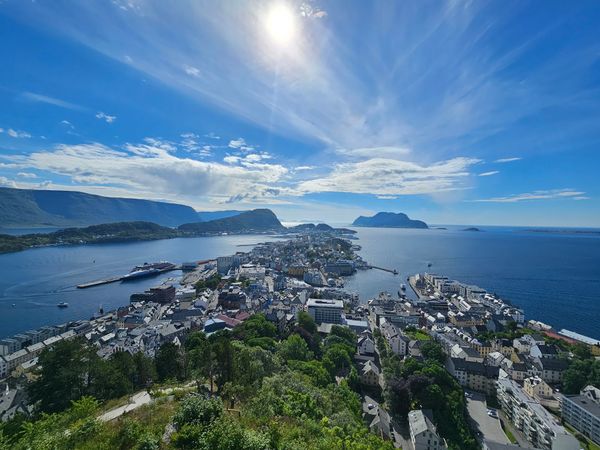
<point x="63" y="305"/>
<point x="429" y="264"/>
<point x="402" y="287"/>
<point x="148" y="269"/>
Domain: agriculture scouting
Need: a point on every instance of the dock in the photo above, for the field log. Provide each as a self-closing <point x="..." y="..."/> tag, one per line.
<point x="121" y="277"/>
<point x="394" y="271"/>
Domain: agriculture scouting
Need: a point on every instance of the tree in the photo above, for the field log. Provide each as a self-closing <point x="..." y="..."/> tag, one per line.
<point x="337" y="358"/>
<point x="169" y="362"/>
<point x="397" y="396"/>
<point x="256" y="326"/>
<point x="63" y="376"/>
<point x="294" y="348"/>
<point x="432" y="350"/>
<point x="222" y="357"/>
<point x="345" y="333"/>
<point x="306" y="321"/>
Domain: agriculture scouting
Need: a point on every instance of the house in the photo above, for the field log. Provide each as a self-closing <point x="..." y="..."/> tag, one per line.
<point x="543" y="351"/>
<point x="377" y="419"/>
<point x="466" y="353"/>
<point x="370" y="374"/>
<point x="549" y="369"/>
<point x="397" y="341"/>
<point x="423" y="434"/>
<point x="582" y="412"/>
<point x="366" y="347"/>
<point x="474" y="375"/>
<point x="539" y="390"/>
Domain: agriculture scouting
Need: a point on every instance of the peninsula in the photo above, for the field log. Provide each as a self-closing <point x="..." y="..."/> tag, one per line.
<point x="389" y="220"/>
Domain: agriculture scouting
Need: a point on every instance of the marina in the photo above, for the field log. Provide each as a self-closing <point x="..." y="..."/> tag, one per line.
<point x="143" y="271"/>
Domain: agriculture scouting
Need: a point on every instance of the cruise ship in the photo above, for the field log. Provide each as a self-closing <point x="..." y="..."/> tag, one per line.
<point x="147" y="270"/>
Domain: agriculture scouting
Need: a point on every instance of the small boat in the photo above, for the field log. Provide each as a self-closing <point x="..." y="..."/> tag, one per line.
<point x="63" y="305"/>
<point x="429" y="264"/>
<point x="402" y="287"/>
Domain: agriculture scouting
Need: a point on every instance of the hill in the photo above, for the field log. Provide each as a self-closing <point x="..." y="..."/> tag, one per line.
<point x="389" y="220"/>
<point x="207" y="216"/>
<point x="256" y="220"/>
<point x="26" y="208"/>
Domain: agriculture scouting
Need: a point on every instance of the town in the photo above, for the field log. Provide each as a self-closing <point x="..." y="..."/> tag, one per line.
<point x="447" y="348"/>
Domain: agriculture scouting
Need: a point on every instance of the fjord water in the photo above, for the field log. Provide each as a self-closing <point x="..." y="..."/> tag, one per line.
<point x="554" y="277"/>
<point x="36" y="280"/>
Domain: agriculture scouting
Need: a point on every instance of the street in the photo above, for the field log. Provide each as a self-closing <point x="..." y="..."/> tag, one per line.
<point x="489" y="427"/>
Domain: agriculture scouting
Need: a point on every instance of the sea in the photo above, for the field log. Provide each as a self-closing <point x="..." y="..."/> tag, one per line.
<point x="553" y="276"/>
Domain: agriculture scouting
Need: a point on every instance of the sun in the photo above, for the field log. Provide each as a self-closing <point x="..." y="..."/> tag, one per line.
<point x="281" y="24"/>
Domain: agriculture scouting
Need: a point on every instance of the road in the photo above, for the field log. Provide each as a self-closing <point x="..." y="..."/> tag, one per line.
<point x="489" y="427"/>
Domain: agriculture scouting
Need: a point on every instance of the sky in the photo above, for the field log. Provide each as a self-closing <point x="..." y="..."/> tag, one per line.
<point x="454" y="112"/>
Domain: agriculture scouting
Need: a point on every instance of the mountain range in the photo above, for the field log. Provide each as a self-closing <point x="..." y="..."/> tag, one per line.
<point x="32" y="208"/>
<point x="389" y="220"/>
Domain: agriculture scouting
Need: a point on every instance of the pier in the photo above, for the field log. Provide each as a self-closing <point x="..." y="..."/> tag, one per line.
<point x="394" y="271"/>
<point x="121" y="277"/>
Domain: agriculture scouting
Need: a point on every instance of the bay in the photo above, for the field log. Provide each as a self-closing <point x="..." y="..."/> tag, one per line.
<point x="554" y="277"/>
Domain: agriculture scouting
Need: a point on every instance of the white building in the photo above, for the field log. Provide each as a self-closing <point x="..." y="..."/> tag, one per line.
<point x="423" y="434"/>
<point x="538" y="426"/>
<point x="327" y="311"/>
<point x="582" y="412"/>
<point x="3" y="368"/>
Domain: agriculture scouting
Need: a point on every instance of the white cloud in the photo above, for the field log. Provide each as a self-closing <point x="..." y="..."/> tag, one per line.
<point x="581" y="197"/>
<point x="105" y="117"/>
<point x="535" y="195"/>
<point x="237" y="143"/>
<point x="212" y="135"/>
<point x="392" y="177"/>
<point x="6" y="182"/>
<point x="488" y="174"/>
<point x="33" y="97"/>
<point x="152" y="169"/>
<point x="27" y="175"/>
<point x="301" y="168"/>
<point x="505" y="160"/>
<point x="18" y="134"/>
<point x="191" y="70"/>
<point x="229" y="159"/>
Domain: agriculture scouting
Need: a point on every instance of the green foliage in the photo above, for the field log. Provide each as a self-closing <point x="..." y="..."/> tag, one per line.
<point x="169" y="362"/>
<point x="256" y="326"/>
<point x="581" y="373"/>
<point x="306" y="322"/>
<point x="337" y="358"/>
<point x="211" y="282"/>
<point x="195" y="410"/>
<point x="432" y="350"/>
<point x="294" y="348"/>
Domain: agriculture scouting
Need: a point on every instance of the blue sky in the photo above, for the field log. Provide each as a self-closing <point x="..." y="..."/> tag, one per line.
<point x="464" y="112"/>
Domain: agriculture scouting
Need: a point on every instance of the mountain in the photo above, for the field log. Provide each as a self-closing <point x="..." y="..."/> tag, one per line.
<point x="389" y="220"/>
<point x="24" y="208"/>
<point x="207" y="216"/>
<point x="255" y="220"/>
<point x="321" y="227"/>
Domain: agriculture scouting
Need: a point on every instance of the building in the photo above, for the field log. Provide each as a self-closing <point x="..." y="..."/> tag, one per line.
<point x="328" y="311"/>
<point x="159" y="294"/>
<point x="232" y="297"/>
<point x="3" y="368"/>
<point x="341" y="267"/>
<point x="474" y="375"/>
<point x="314" y="277"/>
<point x="582" y="412"/>
<point x="226" y="263"/>
<point x="370" y="374"/>
<point x="538" y="426"/>
<point x="423" y="434"/>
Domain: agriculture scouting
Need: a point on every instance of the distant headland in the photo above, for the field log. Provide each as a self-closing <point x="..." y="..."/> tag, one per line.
<point x="389" y="220"/>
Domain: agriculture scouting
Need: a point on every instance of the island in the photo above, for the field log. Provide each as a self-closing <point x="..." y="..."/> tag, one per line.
<point x="256" y="221"/>
<point x="472" y="229"/>
<point x="389" y="220"/>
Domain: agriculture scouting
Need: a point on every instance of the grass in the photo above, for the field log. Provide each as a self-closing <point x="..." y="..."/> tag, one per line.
<point x="510" y="436"/>
<point x="418" y="335"/>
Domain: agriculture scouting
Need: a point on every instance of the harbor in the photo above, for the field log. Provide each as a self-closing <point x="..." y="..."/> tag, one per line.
<point x="145" y="270"/>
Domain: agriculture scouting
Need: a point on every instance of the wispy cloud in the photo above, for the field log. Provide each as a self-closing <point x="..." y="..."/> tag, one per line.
<point x="489" y="174"/>
<point x="506" y="160"/>
<point x="391" y="177"/>
<point x="33" y="97"/>
<point x="107" y="118"/>
<point x="18" y="134"/>
<point x="26" y="175"/>
<point x="537" y="195"/>
<point x="7" y="182"/>
<point x="191" y="70"/>
<point x="212" y="135"/>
